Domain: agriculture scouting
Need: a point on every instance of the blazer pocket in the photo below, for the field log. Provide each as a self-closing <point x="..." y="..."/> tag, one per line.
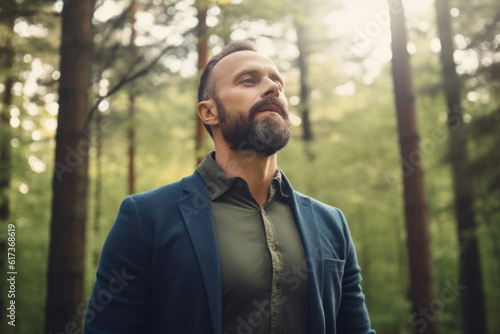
<point x="334" y="265"/>
<point x="332" y="283"/>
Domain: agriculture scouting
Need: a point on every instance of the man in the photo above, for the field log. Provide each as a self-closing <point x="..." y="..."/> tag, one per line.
<point x="232" y="248"/>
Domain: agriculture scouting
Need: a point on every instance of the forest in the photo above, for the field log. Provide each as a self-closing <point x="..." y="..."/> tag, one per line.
<point x="395" y="112"/>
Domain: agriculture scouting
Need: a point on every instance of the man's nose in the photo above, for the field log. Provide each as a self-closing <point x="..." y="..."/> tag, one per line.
<point x="272" y="89"/>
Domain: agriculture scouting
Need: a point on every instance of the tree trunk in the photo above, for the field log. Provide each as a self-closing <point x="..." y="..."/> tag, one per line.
<point x="98" y="189"/>
<point x="5" y="161"/>
<point x="416" y="211"/>
<point x="202" y="47"/>
<point x="69" y="205"/>
<point x="474" y="314"/>
<point x="131" y="98"/>
<point x="304" y="105"/>
<point x="131" y="145"/>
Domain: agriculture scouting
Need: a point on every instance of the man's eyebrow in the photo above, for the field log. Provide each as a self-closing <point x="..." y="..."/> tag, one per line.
<point x="254" y="72"/>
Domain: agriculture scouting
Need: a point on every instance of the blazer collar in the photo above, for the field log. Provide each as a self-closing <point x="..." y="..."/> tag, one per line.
<point x="195" y="210"/>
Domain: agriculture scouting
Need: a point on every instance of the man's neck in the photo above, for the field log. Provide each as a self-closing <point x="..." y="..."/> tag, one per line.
<point x="256" y="169"/>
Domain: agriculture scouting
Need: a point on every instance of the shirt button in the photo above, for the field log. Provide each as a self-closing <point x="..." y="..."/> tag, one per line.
<point x="263" y="211"/>
<point x="273" y="247"/>
<point x="275" y="290"/>
<point x="239" y="184"/>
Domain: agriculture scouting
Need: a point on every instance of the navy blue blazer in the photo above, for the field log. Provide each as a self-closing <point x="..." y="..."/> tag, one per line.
<point x="159" y="270"/>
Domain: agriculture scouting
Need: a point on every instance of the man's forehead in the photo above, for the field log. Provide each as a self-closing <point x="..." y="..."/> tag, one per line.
<point x="239" y="60"/>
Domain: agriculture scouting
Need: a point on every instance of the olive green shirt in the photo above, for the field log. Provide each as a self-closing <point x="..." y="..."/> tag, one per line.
<point x="262" y="260"/>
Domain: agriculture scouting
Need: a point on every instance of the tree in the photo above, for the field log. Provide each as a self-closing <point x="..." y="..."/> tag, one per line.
<point x="416" y="211"/>
<point x="131" y="99"/>
<point x="304" y="52"/>
<point x="5" y="125"/>
<point x="69" y="204"/>
<point x="202" y="49"/>
<point x="11" y="50"/>
<point x="96" y="228"/>
<point x="310" y="39"/>
<point x="470" y="263"/>
<point x="5" y="156"/>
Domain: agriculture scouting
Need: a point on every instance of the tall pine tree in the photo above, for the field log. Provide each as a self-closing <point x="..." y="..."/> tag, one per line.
<point x="69" y="204"/>
<point x="416" y="210"/>
<point x="470" y="276"/>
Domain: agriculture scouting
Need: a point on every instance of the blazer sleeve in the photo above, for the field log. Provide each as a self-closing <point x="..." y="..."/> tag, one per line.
<point x="120" y="300"/>
<point x="353" y="315"/>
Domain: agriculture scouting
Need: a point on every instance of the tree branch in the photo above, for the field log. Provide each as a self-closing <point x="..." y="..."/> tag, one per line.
<point x="125" y="80"/>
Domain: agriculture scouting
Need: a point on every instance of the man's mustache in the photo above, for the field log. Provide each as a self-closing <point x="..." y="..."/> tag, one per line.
<point x="269" y="101"/>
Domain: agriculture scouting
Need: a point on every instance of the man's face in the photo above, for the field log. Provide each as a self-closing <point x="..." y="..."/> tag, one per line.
<point x="251" y="104"/>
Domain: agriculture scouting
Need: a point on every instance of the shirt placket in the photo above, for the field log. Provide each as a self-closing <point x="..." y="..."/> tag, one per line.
<point x="277" y="273"/>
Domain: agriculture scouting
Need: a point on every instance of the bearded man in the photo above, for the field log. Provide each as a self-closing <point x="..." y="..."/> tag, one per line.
<point x="232" y="248"/>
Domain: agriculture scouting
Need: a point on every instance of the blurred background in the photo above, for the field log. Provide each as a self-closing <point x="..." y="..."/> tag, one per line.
<point x="117" y="81"/>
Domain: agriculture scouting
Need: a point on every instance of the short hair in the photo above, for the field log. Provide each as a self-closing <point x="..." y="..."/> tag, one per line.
<point x="206" y="89"/>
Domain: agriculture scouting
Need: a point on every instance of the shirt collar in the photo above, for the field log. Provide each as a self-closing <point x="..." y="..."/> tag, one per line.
<point x="218" y="182"/>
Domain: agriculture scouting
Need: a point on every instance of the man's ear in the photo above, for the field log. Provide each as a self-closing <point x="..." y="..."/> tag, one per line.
<point x="207" y="111"/>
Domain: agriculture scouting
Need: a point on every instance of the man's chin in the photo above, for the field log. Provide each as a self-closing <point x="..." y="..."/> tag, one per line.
<point x="268" y="146"/>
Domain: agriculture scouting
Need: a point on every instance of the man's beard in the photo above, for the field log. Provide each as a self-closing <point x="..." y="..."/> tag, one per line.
<point x="242" y="132"/>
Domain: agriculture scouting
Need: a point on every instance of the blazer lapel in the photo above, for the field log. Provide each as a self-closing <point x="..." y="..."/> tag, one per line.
<point x="311" y="239"/>
<point x="195" y="210"/>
